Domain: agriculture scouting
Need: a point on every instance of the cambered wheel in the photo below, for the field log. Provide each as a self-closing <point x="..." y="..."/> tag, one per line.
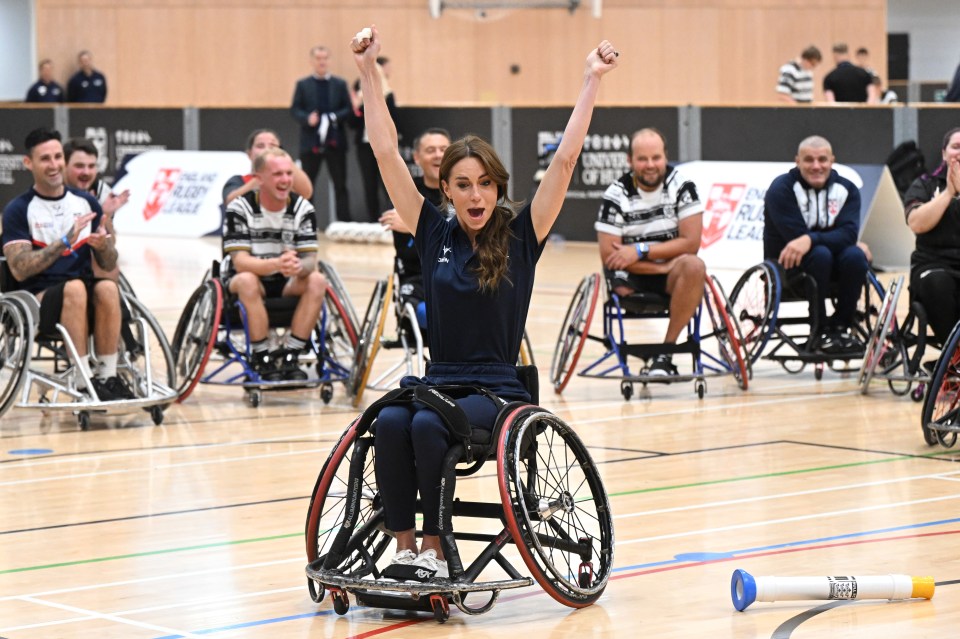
<point x="941" y="406"/>
<point x="369" y="344"/>
<point x="555" y="506"/>
<point x="754" y="303"/>
<point x="332" y="499"/>
<point x="195" y="335"/>
<point x="334" y="340"/>
<point x="574" y="331"/>
<point x="340" y="292"/>
<point x="16" y="339"/>
<point x="526" y="351"/>
<point x="162" y="362"/>
<point x="726" y="331"/>
<point x="877" y="354"/>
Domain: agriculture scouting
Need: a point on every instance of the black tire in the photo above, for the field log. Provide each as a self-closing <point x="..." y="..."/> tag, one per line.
<point x="331" y="501"/>
<point x="369" y="343"/>
<point x="340" y="292"/>
<point x="754" y="303"/>
<point x="726" y="331"/>
<point x="195" y="335"/>
<point x="941" y="406"/>
<point x="334" y="340"/>
<point x="16" y="339"/>
<point x="573" y="332"/>
<point x="555" y="506"/>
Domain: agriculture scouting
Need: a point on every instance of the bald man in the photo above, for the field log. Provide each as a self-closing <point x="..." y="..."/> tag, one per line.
<point x="811" y="224"/>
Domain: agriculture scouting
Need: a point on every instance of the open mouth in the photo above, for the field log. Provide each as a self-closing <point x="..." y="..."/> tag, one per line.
<point x="475" y="214"/>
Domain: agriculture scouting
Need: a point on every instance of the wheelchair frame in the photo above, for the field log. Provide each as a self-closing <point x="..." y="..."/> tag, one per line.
<point x="540" y="508"/>
<point x="65" y="386"/>
<point x="755" y="302"/>
<point x="575" y="331"/>
<point x="205" y="328"/>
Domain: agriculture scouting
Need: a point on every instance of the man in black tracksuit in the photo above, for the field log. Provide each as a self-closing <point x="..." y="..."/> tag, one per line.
<point x="811" y="224"/>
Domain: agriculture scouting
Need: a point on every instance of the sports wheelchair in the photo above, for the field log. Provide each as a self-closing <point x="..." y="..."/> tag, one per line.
<point x="940" y="417"/>
<point x="39" y="370"/>
<point x="728" y="357"/>
<point x="552" y="507"/>
<point x="409" y="338"/>
<point x="756" y="301"/>
<point x="213" y="330"/>
<point x="895" y="350"/>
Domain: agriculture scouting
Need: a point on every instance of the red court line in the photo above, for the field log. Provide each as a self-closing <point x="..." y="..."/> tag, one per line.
<point x="651" y="571"/>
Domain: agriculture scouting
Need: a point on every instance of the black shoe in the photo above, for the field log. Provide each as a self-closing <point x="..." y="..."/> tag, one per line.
<point x="829" y="342"/>
<point x="287" y="362"/>
<point x="662" y="366"/>
<point x="850" y="344"/>
<point x="263" y="363"/>
<point x="112" y="389"/>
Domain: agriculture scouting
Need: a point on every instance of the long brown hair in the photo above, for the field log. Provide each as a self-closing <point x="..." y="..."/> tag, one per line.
<point x="493" y="240"/>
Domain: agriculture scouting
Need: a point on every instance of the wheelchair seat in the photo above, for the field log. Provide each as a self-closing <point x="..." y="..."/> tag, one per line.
<point x="644" y="304"/>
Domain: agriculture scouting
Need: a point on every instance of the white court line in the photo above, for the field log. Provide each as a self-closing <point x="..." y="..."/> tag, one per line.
<point x="128" y="622"/>
<point x="802" y="493"/>
<point x="193" y="603"/>
<point x="74" y="458"/>
<point x="143" y="580"/>
<point x="150" y="469"/>
<point x="785" y="520"/>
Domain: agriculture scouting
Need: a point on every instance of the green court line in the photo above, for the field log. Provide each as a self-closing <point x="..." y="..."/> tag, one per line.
<point x="150" y="553"/>
<point x="618" y="494"/>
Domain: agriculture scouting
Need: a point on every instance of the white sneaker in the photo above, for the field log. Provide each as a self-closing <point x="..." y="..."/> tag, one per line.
<point x="395" y="570"/>
<point x="428" y="560"/>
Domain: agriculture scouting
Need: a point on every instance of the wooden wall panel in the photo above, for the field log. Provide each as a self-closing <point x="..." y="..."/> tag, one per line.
<point x="250" y="52"/>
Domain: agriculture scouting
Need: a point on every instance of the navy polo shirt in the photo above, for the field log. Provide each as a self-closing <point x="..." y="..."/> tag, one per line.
<point x="467" y="325"/>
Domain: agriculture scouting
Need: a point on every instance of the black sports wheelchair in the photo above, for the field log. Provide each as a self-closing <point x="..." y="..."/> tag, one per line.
<point x="790" y="332"/>
<point x="409" y="338"/>
<point x="553" y="508"/>
<point x="714" y="352"/>
<point x="213" y="332"/>
<point x="39" y="370"/>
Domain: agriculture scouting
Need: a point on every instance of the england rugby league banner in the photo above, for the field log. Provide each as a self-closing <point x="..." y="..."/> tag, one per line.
<point x="176" y="193"/>
<point x="732" y="193"/>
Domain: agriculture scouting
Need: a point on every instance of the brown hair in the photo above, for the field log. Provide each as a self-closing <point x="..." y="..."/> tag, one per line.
<point x="493" y="240"/>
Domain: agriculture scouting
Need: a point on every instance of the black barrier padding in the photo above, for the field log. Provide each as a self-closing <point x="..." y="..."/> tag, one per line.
<point x="757" y="134"/>
<point x="227" y="129"/>
<point x="604" y="157"/>
<point x="15" y="124"/>
<point x="119" y="133"/>
<point x="932" y="124"/>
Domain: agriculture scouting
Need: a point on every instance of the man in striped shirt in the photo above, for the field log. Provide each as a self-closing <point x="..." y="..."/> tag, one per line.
<point x="649" y="230"/>
<point x="795" y="85"/>
<point x="270" y="248"/>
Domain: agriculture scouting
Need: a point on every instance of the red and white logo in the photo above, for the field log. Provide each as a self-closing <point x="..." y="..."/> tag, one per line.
<point x="160" y="192"/>
<point x="721" y="206"/>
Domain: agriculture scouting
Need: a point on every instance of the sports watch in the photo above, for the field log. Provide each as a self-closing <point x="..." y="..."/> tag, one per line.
<point x="643" y="249"/>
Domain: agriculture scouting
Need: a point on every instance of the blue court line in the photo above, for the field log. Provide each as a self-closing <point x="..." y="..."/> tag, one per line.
<point x="793" y="544"/>
<point x="675" y="561"/>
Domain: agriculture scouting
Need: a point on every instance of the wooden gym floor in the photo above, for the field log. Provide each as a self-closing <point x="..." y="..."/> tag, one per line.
<point x="195" y="528"/>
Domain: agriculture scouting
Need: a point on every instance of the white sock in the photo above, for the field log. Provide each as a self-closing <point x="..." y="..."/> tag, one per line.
<point x="108" y="366"/>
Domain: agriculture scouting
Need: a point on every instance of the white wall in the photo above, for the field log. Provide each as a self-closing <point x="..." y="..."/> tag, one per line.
<point x="17" y="71"/>
<point x="934" y="28"/>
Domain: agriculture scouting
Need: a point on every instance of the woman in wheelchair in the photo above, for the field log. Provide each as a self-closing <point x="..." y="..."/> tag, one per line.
<point x="478" y="272"/>
<point x="933" y="213"/>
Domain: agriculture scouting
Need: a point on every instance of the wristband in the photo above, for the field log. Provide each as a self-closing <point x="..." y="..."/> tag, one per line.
<point x="66" y="243"/>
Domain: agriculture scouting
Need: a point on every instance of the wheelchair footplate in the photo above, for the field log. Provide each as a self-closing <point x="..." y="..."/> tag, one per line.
<point x="429" y="596"/>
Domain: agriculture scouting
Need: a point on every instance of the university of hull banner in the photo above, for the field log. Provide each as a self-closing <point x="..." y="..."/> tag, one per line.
<point x="177" y="193"/>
